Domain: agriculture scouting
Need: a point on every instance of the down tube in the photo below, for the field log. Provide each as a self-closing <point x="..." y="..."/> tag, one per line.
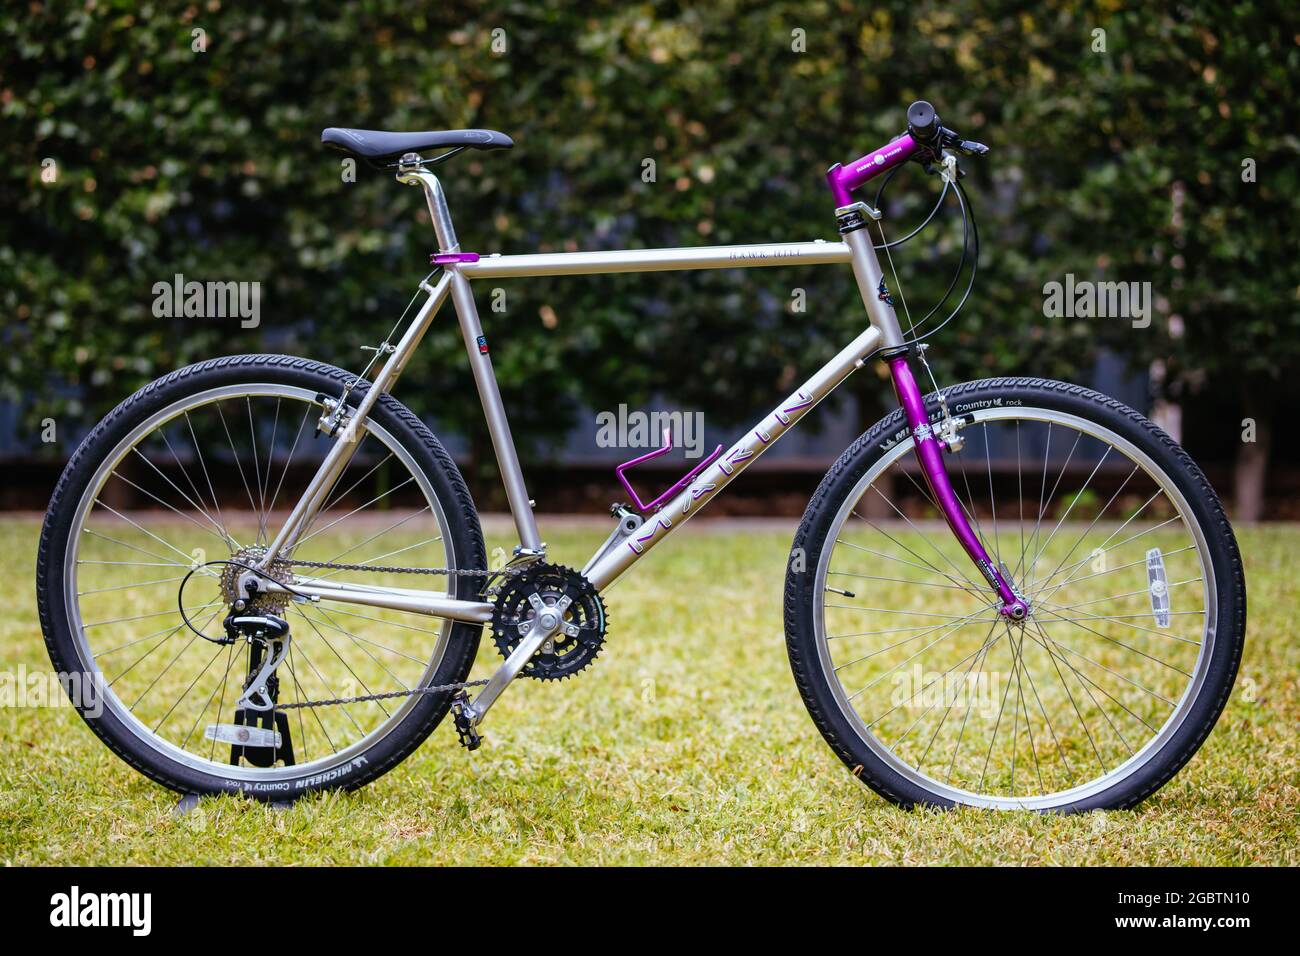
<point x="739" y="457"/>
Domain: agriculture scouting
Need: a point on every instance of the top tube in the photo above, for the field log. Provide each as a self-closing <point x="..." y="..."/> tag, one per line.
<point x="844" y="179"/>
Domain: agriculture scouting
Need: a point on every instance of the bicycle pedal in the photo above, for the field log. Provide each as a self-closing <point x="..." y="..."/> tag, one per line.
<point x="260" y="737"/>
<point x="468" y="735"/>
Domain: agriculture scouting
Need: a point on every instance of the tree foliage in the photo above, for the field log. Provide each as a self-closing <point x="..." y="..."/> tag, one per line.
<point x="1123" y="163"/>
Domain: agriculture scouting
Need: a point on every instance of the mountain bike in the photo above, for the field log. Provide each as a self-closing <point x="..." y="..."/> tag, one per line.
<point x="1010" y="593"/>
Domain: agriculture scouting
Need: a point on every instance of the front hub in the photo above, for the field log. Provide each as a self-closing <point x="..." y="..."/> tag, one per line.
<point x="1016" y="610"/>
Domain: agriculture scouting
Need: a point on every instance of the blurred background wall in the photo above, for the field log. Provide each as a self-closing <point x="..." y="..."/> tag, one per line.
<point x="1130" y="142"/>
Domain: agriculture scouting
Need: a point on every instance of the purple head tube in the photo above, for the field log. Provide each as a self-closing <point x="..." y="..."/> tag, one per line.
<point x="844" y="179"/>
<point x="929" y="452"/>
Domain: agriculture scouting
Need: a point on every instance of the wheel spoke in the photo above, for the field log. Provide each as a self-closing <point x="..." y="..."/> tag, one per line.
<point x="908" y="521"/>
<point x="220" y="529"/>
<point x="239" y="465"/>
<point x="378" y="534"/>
<point x="958" y="622"/>
<point x="198" y="450"/>
<point x="257" y="471"/>
<point x="365" y="687"/>
<point x="359" y="508"/>
<point x="225" y="676"/>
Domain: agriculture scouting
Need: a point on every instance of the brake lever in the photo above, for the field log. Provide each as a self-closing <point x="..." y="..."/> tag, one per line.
<point x="967" y="147"/>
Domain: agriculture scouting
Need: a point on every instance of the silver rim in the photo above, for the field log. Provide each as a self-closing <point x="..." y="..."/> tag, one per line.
<point x="1090" y="688"/>
<point x="341" y="651"/>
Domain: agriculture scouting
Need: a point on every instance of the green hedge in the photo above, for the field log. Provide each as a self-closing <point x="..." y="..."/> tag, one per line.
<point x="208" y="164"/>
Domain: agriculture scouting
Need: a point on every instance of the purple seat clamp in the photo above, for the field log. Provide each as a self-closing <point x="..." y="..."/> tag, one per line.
<point x="681" y="483"/>
<point x="448" y="258"/>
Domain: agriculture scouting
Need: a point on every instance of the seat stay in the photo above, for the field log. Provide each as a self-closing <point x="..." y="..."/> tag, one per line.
<point x="346" y="442"/>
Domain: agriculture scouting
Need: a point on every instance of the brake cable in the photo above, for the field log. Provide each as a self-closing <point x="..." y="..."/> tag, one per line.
<point x="969" y="250"/>
<point x="970" y="229"/>
<point x="969" y="233"/>
<point x="384" y="347"/>
<point x="876" y="204"/>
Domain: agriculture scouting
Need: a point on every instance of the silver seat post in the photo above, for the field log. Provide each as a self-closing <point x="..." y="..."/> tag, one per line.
<point x="412" y="174"/>
<point x="471" y="330"/>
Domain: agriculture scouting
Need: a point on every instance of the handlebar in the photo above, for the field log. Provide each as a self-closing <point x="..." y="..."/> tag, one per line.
<point x="925" y="138"/>
<point x="923" y="123"/>
<point x="923" y="126"/>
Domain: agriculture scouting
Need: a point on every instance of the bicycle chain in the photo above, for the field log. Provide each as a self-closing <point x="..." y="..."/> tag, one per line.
<point x="438" y="689"/>
<point x="387" y="569"/>
<point x="297" y="705"/>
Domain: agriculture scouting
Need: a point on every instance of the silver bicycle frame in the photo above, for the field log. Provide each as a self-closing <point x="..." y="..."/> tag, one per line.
<point x="606" y="567"/>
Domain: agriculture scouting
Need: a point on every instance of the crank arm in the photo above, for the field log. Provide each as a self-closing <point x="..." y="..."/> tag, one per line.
<point x="548" y="621"/>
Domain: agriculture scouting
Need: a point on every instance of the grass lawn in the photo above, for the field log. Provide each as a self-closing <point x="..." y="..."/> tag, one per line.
<point x="686" y="743"/>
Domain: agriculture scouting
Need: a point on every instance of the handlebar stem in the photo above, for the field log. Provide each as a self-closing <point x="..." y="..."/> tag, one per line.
<point x="844" y="179"/>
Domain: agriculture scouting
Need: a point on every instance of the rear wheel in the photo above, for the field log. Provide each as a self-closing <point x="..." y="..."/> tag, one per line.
<point x="1109" y="531"/>
<point x="203" y="466"/>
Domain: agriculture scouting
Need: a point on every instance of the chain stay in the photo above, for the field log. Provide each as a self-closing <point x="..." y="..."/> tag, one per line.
<point x="440" y="688"/>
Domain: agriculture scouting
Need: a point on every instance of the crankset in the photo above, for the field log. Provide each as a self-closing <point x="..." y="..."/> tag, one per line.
<point x="581" y="631"/>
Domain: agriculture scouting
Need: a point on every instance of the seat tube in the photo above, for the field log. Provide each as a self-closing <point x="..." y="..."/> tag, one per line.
<point x="489" y="393"/>
<point x="471" y="330"/>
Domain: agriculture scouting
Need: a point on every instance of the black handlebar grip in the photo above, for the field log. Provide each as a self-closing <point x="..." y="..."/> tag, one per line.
<point x="923" y="122"/>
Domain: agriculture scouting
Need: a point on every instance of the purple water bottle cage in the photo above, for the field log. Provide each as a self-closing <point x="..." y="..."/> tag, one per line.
<point x="681" y="483"/>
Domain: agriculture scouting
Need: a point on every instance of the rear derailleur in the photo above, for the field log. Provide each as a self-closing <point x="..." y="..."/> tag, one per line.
<point x="260" y="733"/>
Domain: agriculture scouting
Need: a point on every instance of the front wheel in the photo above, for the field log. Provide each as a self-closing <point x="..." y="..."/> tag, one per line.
<point x="1119" y="545"/>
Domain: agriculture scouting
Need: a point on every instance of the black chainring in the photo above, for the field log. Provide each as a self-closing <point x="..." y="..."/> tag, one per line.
<point x="572" y="647"/>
